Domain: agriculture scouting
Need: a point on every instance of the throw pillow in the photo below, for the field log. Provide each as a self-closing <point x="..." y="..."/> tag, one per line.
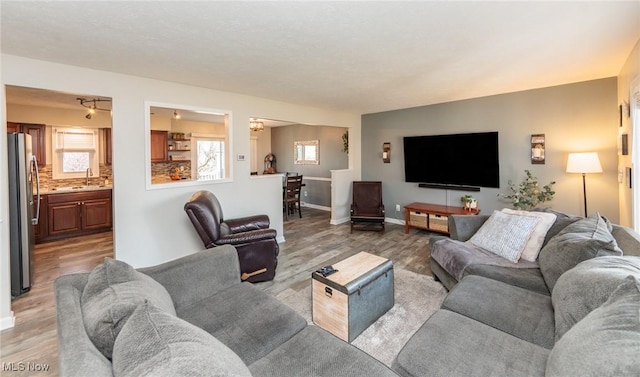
<point x="154" y="343"/>
<point x="584" y="239"/>
<point x="114" y="289"/>
<point x="562" y="221"/>
<point x="587" y="286"/>
<point x="504" y="234"/>
<point x="606" y="342"/>
<point x="533" y="246"/>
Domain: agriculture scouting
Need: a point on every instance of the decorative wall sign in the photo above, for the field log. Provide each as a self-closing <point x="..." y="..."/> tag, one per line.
<point x="537" y="149"/>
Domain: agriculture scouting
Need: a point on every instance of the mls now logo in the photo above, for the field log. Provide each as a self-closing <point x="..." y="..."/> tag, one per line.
<point x="22" y="367"/>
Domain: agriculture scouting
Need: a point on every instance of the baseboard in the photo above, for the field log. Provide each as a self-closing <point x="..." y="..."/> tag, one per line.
<point x="315" y="206"/>
<point x="280" y="239"/>
<point x="393" y="221"/>
<point x="340" y="221"/>
<point x="7" y="322"/>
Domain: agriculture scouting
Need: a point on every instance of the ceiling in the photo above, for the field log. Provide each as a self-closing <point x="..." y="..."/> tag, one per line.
<point x="361" y="56"/>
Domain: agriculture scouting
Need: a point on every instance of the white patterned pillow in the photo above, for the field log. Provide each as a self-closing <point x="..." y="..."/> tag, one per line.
<point x="505" y="235"/>
<point x="532" y="248"/>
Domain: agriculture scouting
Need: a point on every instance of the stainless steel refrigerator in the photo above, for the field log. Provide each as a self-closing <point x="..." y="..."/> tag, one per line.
<point x="23" y="211"/>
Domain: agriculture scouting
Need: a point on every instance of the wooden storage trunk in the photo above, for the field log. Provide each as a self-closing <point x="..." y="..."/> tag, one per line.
<point x="350" y="300"/>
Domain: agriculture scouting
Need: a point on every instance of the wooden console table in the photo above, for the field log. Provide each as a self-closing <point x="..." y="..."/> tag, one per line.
<point x="431" y="217"/>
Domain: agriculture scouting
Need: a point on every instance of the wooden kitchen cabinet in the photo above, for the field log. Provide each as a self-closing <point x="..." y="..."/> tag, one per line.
<point x="37" y="132"/>
<point x="78" y="213"/>
<point x="159" y="146"/>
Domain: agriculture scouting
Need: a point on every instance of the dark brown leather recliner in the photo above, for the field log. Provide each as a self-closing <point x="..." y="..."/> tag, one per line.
<point x="255" y="242"/>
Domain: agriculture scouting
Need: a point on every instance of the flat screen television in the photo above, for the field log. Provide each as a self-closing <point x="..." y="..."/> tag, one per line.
<point x="448" y="161"/>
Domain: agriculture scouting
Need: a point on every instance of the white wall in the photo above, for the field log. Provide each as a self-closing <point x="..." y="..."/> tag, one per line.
<point x="150" y="225"/>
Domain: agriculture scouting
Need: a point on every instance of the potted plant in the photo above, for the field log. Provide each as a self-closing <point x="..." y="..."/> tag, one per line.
<point x="528" y="194"/>
<point x="469" y="203"/>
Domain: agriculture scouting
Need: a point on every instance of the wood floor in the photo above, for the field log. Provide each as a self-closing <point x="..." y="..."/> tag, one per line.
<point x="310" y="243"/>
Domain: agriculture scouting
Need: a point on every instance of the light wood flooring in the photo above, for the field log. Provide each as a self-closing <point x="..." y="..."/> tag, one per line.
<point x="310" y="243"/>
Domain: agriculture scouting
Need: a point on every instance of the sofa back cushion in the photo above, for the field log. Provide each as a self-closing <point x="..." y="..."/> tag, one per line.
<point x="584" y="239"/>
<point x="606" y="342"/>
<point x="113" y="291"/>
<point x="155" y="343"/>
<point x="587" y="286"/>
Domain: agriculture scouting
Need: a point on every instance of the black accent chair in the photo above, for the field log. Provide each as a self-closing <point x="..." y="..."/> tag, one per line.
<point x="255" y="242"/>
<point x="367" y="209"/>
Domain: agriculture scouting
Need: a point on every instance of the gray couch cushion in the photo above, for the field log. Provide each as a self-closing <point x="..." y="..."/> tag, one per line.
<point x="450" y="344"/>
<point x="527" y="278"/>
<point x="154" y="343"/>
<point x="315" y="352"/>
<point x="584" y="239"/>
<point x="587" y="286"/>
<point x="606" y="342"/>
<point x="113" y="291"/>
<point x="455" y="257"/>
<point x="246" y="320"/>
<point x="524" y="314"/>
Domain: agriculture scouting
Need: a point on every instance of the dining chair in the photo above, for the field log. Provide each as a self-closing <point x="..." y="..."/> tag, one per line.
<point x="291" y="195"/>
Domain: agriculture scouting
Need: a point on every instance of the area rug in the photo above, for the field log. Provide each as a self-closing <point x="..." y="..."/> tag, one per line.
<point x="416" y="298"/>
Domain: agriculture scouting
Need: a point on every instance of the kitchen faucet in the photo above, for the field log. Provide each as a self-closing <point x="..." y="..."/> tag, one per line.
<point x="89" y="173"/>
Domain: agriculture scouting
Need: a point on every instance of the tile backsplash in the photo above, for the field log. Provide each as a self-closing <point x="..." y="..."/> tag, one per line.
<point x="47" y="182"/>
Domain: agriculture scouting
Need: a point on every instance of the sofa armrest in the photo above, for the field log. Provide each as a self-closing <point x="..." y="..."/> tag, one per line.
<point x="197" y="276"/>
<point x="77" y="356"/>
<point x="462" y="227"/>
<point x="247" y="237"/>
<point x="245" y="224"/>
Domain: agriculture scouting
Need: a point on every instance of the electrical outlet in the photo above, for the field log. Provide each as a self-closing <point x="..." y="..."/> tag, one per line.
<point x="397" y="207"/>
<point x="305" y="193"/>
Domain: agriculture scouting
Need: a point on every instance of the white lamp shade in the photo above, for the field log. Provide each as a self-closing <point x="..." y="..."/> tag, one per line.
<point x="584" y="163"/>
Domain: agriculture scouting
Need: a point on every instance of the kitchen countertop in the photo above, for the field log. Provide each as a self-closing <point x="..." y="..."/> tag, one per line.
<point x="66" y="190"/>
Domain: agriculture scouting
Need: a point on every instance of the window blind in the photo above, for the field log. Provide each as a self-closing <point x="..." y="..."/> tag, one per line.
<point x="75" y="140"/>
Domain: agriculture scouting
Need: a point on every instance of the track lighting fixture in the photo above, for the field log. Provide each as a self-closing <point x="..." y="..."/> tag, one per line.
<point x="91" y="104"/>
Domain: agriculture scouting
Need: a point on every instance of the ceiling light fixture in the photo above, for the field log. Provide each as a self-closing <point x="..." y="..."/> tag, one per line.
<point x="176" y="115"/>
<point x="256" y="125"/>
<point x="92" y="105"/>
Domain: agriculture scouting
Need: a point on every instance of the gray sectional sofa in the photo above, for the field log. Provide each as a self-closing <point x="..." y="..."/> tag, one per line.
<point x="573" y="312"/>
<point x="191" y="317"/>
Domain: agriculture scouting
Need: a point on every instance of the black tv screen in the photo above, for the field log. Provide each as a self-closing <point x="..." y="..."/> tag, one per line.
<point x="469" y="159"/>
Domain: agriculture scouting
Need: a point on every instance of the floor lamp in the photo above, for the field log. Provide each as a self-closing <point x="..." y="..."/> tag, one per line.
<point x="584" y="163"/>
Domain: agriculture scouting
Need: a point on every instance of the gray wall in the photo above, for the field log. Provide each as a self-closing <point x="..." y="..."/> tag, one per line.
<point x="331" y="158"/>
<point x="331" y="155"/>
<point x="576" y="117"/>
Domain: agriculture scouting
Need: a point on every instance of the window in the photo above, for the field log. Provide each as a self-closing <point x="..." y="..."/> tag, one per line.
<point x="208" y="158"/>
<point x="75" y="151"/>
<point x="191" y="145"/>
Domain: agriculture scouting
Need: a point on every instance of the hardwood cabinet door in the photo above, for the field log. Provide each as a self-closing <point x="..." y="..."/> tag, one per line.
<point x="96" y="214"/>
<point x="64" y="218"/>
<point x="159" y="146"/>
<point x="37" y="132"/>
